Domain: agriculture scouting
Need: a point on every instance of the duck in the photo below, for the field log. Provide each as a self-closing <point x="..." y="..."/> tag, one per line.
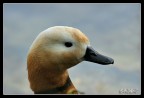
<point x="52" y="53"/>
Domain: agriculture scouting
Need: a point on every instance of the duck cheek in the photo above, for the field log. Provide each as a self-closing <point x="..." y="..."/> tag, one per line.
<point x="69" y="60"/>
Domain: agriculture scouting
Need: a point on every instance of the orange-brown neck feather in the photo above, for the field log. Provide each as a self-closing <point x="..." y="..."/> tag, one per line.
<point x="42" y="78"/>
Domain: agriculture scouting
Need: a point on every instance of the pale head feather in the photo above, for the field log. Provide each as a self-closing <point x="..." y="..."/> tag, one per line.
<point x="49" y="47"/>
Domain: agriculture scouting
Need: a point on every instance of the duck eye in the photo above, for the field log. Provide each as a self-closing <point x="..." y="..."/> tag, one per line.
<point x="68" y="44"/>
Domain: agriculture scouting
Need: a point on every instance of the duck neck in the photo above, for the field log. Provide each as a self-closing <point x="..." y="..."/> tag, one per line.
<point x="43" y="81"/>
<point x="67" y="88"/>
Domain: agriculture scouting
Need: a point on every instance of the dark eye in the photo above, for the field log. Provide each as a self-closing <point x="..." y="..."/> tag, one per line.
<point x="68" y="44"/>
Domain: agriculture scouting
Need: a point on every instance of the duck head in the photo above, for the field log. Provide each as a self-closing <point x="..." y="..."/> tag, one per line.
<point x="54" y="51"/>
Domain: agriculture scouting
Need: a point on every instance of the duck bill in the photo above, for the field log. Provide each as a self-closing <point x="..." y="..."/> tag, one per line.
<point x="92" y="56"/>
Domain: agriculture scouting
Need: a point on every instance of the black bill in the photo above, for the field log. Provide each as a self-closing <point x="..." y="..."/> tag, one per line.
<point x="93" y="56"/>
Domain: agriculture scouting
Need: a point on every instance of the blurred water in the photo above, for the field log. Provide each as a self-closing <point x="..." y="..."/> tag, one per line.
<point x="113" y="29"/>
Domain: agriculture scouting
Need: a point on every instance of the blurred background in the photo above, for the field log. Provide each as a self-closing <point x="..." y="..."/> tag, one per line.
<point x="113" y="30"/>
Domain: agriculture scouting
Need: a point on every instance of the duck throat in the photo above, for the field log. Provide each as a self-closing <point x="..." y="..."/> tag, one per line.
<point x="44" y="81"/>
<point x="67" y="88"/>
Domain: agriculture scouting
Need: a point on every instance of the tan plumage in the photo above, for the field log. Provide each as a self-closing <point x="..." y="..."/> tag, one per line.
<point x="49" y="58"/>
